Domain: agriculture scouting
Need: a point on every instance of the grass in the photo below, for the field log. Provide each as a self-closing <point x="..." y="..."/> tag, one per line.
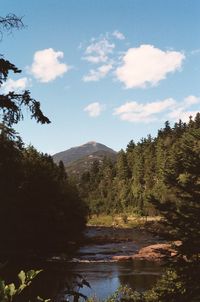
<point x="123" y="221"/>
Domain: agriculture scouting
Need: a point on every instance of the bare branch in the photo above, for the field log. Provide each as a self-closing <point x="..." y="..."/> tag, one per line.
<point x="10" y="22"/>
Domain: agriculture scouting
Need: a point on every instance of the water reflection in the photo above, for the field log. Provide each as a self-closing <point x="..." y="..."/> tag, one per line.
<point x="140" y="275"/>
<point x="104" y="278"/>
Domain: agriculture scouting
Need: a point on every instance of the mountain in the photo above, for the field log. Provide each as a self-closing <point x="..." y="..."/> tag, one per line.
<point x="79" y="159"/>
<point x="79" y="166"/>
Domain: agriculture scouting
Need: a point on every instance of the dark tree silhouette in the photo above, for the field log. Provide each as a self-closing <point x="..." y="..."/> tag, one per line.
<point x="12" y="104"/>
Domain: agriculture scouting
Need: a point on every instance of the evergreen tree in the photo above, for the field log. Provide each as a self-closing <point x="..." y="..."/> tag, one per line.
<point x="180" y="207"/>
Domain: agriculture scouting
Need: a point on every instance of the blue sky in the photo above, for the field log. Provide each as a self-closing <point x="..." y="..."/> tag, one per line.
<point x="105" y="71"/>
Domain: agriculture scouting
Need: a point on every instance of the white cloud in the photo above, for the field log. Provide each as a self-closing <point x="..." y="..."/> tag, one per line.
<point x="98" y="51"/>
<point x="147" y="65"/>
<point x="16" y="85"/>
<point x="99" y="73"/>
<point x="118" y="35"/>
<point x="94" y="109"/>
<point x="182" y="110"/>
<point x="177" y="115"/>
<point x="46" y="65"/>
<point x="169" y="108"/>
<point x="191" y="100"/>
<point x="136" y="112"/>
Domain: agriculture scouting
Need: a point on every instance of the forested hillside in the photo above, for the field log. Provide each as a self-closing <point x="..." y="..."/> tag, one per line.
<point x="138" y="176"/>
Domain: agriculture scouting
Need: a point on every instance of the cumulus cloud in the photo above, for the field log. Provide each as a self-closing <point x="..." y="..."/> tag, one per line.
<point x="94" y="109"/>
<point x="118" y="35"/>
<point x="169" y="108"/>
<point x="136" y="112"/>
<point x="147" y="65"/>
<point x="98" y="51"/>
<point x="97" y="74"/>
<point x="46" y="65"/>
<point x="16" y="85"/>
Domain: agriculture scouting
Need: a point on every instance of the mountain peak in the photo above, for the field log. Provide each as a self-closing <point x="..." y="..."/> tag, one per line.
<point x="92" y="143"/>
<point x="76" y="153"/>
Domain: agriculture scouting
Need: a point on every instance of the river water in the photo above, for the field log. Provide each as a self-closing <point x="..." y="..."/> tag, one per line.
<point x="93" y="261"/>
<point x="105" y="278"/>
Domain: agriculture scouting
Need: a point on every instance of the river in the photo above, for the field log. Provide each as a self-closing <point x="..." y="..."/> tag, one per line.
<point x="94" y="262"/>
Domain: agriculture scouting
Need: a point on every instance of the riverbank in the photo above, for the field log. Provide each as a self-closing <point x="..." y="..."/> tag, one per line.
<point x="137" y="234"/>
<point x="123" y="221"/>
<point x="158" y="252"/>
<point x="104" y="243"/>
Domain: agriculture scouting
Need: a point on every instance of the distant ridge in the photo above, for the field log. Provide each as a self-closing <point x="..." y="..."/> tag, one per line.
<point x="76" y="153"/>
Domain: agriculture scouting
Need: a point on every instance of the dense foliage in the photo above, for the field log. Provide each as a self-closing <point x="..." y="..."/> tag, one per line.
<point x="139" y="173"/>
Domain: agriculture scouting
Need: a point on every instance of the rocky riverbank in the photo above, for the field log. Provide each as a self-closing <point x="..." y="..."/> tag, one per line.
<point x="119" y="244"/>
<point x="156" y="252"/>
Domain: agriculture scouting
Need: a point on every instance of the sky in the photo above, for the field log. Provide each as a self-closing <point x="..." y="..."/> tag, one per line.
<point x="104" y="71"/>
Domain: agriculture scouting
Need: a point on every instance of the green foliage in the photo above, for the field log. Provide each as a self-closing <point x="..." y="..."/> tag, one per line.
<point x="16" y="292"/>
<point x="139" y="173"/>
<point x="43" y="300"/>
<point x="180" y="205"/>
<point x="125" y="294"/>
<point x="9" y="291"/>
<point x="170" y="288"/>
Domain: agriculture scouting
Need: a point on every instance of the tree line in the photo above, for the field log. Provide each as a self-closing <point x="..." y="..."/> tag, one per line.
<point x="128" y="184"/>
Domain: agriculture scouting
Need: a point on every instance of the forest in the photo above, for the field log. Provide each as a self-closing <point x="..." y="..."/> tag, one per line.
<point x="158" y="176"/>
<point x="139" y="175"/>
